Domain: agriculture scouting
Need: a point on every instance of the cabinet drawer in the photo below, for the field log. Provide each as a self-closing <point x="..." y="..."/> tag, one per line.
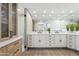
<point x="3" y="51"/>
<point x="13" y="45"/>
<point x="70" y="42"/>
<point x="29" y="37"/>
<point x="17" y="53"/>
<point x="12" y="48"/>
<point x="50" y="45"/>
<point x="70" y="46"/>
<point x="51" y="42"/>
<point x="29" y="44"/>
<point x="71" y="37"/>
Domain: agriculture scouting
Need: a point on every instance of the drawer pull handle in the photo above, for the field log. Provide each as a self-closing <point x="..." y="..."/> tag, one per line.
<point x="70" y="45"/>
<point x="39" y="40"/>
<point x="60" y="40"/>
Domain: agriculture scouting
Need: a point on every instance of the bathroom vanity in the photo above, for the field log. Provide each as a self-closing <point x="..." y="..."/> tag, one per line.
<point x="54" y="40"/>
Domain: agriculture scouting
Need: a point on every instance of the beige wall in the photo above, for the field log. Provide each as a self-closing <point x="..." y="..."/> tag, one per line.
<point x="29" y="23"/>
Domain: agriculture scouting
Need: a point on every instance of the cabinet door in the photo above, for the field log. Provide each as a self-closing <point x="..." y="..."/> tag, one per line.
<point x="60" y="40"/>
<point x="4" y="20"/>
<point x="77" y="43"/>
<point x="3" y="51"/>
<point x="63" y="40"/>
<point x="43" y="40"/>
<point x="35" y="40"/>
<point x="57" y="40"/>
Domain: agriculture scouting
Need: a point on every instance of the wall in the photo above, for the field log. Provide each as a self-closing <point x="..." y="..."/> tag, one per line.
<point x="29" y="23"/>
<point x="21" y="28"/>
<point x="54" y="25"/>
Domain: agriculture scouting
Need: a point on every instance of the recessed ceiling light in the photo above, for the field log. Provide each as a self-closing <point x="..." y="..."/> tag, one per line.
<point x="18" y="9"/>
<point x="71" y="11"/>
<point x="63" y="11"/>
<point x="34" y="11"/>
<point x="50" y="15"/>
<point x="43" y="15"/>
<point x="44" y="11"/>
<point x="52" y="11"/>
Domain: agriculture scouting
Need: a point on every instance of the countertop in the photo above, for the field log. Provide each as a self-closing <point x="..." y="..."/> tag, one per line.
<point x="35" y="33"/>
<point x="4" y="43"/>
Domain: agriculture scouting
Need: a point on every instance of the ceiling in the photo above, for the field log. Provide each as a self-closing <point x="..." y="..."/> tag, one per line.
<point x="50" y="11"/>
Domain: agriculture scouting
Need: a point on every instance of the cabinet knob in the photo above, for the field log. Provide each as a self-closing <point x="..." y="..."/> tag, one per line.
<point x="60" y="40"/>
<point x="39" y="40"/>
<point x="70" y="42"/>
<point x="70" y="38"/>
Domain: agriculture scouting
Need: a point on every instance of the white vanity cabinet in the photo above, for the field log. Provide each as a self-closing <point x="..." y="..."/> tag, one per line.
<point x="37" y="40"/>
<point x="53" y="41"/>
<point x="77" y="42"/>
<point x="60" y="40"/>
<point x="71" y="41"/>
<point x="46" y="40"/>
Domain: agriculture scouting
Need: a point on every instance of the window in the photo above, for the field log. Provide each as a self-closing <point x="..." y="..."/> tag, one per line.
<point x="4" y="20"/>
